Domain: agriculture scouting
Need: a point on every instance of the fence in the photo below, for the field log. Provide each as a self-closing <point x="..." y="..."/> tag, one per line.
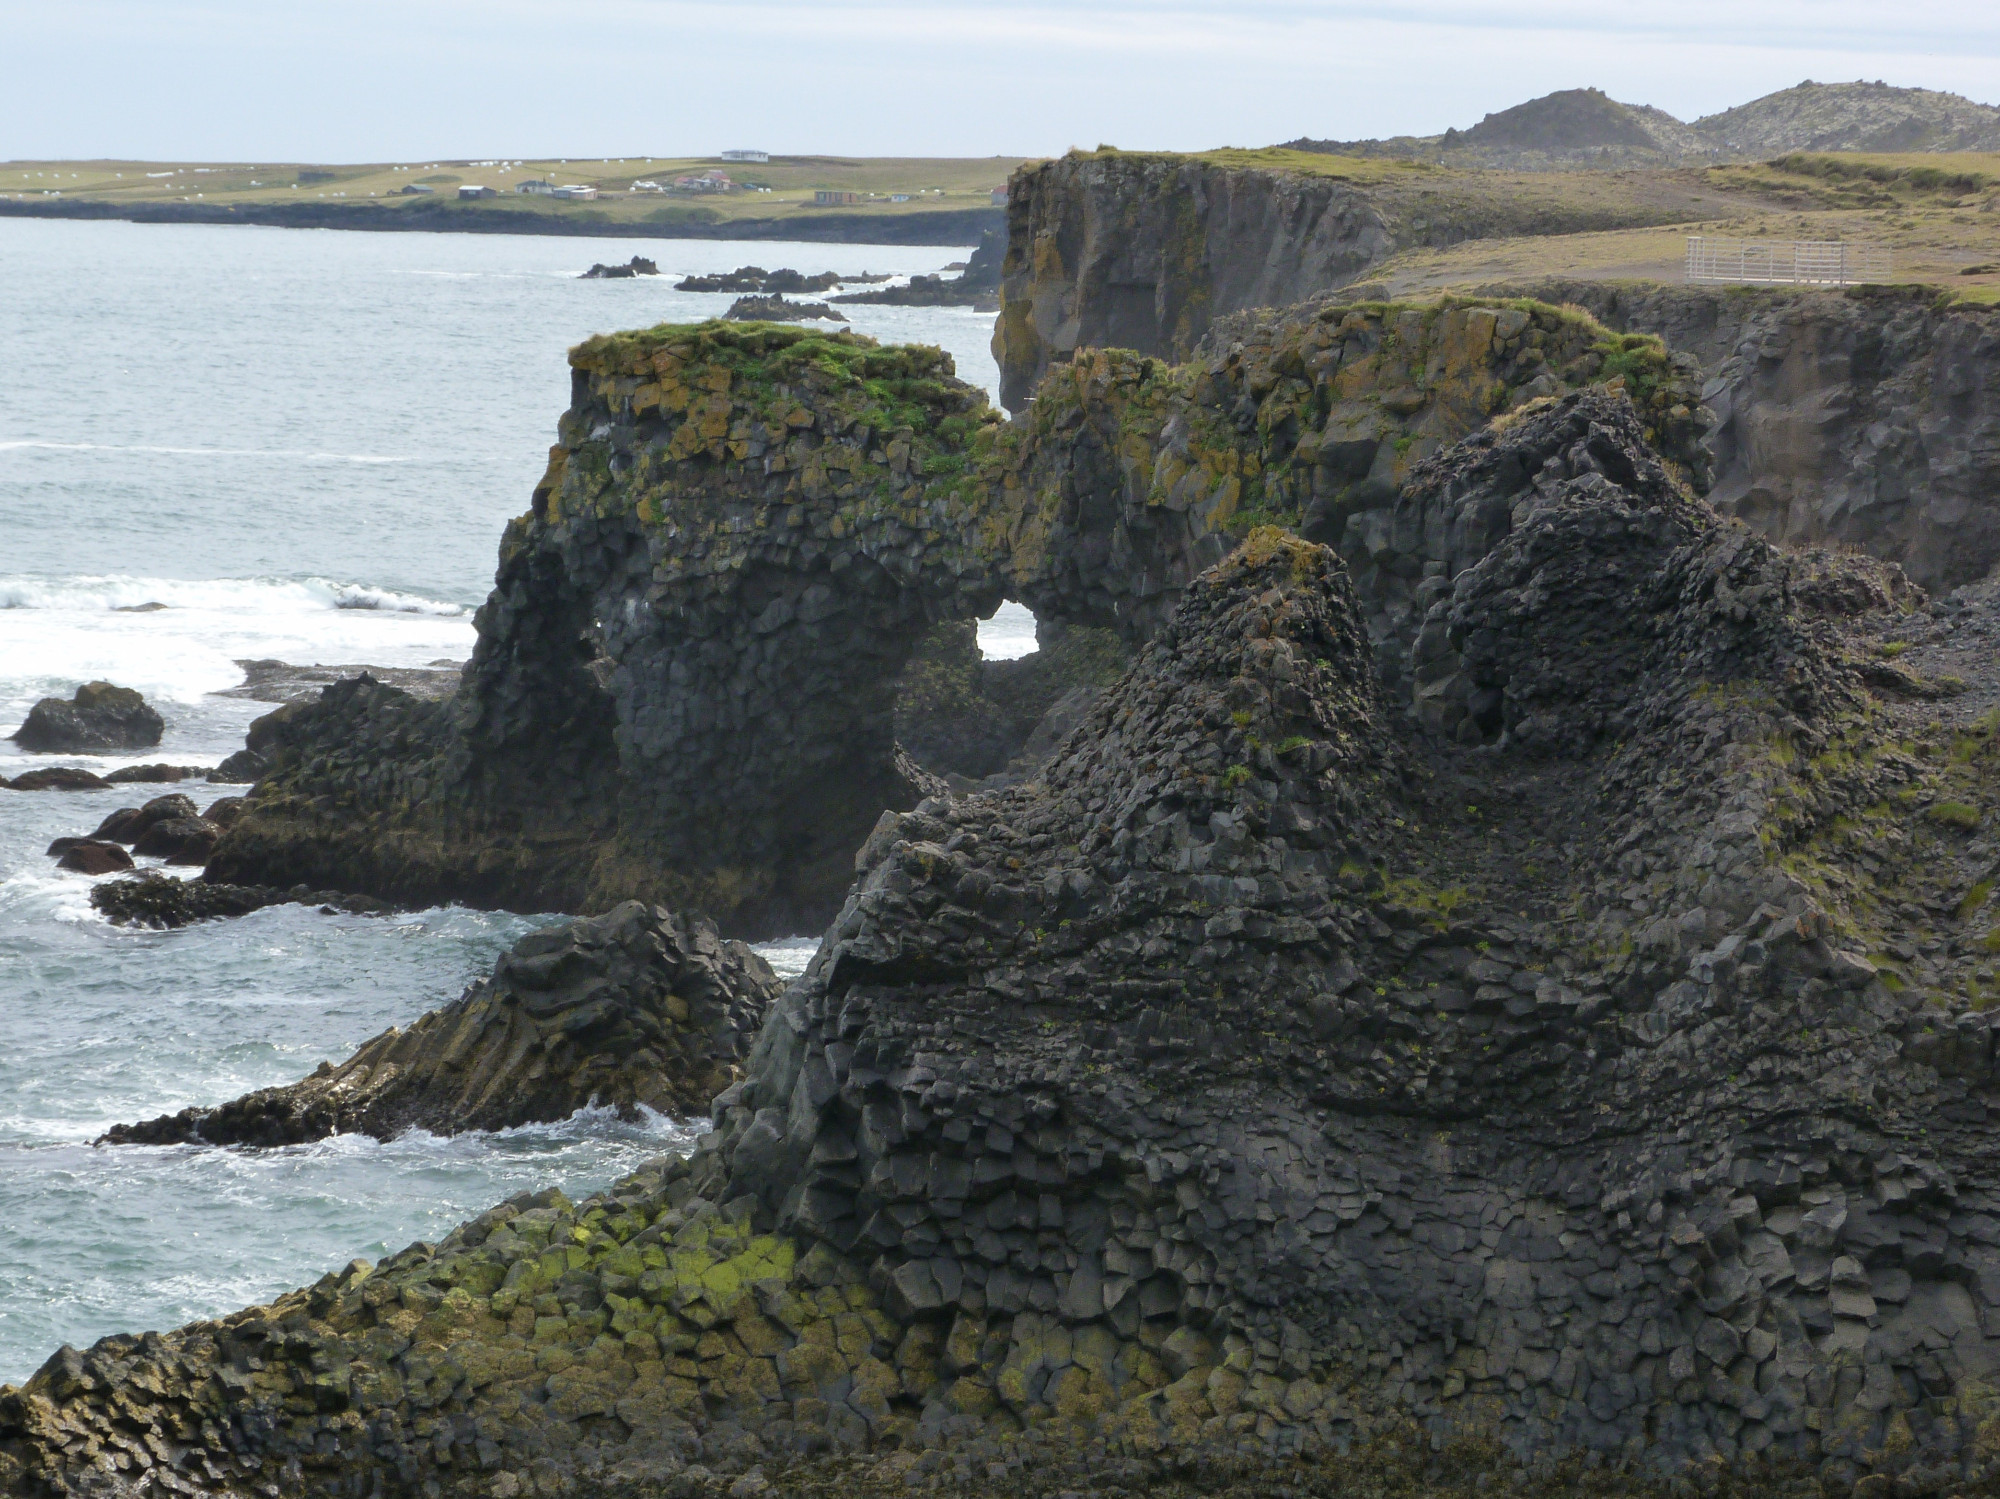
<point x="1804" y="262"/>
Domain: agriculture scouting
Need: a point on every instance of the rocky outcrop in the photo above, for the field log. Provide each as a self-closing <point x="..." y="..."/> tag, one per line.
<point x="91" y="856"/>
<point x="977" y="286"/>
<point x="1272" y="1076"/>
<point x="99" y="717"/>
<point x="685" y="687"/>
<point x="59" y="778"/>
<point x="754" y="278"/>
<point x="776" y="309"/>
<point x="162" y="901"/>
<point x="1868" y="417"/>
<point x="638" y="265"/>
<point x="634" y="1009"/>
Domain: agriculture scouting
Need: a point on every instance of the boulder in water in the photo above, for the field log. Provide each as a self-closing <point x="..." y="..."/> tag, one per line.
<point x="163" y="901"/>
<point x="129" y="824"/>
<point x="100" y="717"/>
<point x="142" y="775"/>
<point x="90" y="856"/>
<point x="178" y="840"/>
<point x="59" y="778"/>
<point x="637" y="1008"/>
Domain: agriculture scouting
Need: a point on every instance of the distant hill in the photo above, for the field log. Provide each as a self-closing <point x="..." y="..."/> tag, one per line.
<point x="1852" y="117"/>
<point x="1585" y="127"/>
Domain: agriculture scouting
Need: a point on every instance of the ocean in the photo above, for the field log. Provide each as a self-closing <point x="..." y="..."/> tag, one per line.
<point x="304" y="445"/>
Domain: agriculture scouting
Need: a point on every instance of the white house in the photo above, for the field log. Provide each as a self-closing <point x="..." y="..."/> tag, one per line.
<point x="535" y="186"/>
<point x="746" y="155"/>
<point x="576" y="191"/>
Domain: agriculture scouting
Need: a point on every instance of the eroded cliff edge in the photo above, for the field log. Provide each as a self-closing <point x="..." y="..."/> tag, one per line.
<point x="1273" y="1072"/>
<point x="683" y="689"/>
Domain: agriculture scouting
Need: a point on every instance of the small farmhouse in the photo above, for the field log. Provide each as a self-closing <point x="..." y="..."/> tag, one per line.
<point x="823" y="196"/>
<point x="473" y="190"/>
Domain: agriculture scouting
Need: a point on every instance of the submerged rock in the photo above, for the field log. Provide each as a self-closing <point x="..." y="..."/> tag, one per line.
<point x="139" y="775"/>
<point x="60" y="778"/>
<point x="99" y="717"/>
<point x="634" y="1009"/>
<point x="161" y="900"/>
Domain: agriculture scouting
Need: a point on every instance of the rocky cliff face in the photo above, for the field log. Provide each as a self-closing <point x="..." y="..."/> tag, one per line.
<point x="1868" y="417"/>
<point x="635" y="1009"/>
<point x="1271" y="1074"/>
<point x="1123" y="250"/>
<point x="684" y="689"/>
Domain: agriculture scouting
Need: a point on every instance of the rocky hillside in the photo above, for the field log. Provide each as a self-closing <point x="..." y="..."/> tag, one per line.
<point x="1851" y="117"/>
<point x="685" y="687"/>
<point x="1575" y="1045"/>
<point x="1585" y="128"/>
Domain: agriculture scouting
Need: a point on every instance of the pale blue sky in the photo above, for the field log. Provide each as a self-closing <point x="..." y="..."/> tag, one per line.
<point x="373" y="80"/>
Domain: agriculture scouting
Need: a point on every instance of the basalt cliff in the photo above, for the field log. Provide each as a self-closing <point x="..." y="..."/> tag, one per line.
<point x="1863" y="416"/>
<point x="1571" y="1042"/>
<point x="686" y="684"/>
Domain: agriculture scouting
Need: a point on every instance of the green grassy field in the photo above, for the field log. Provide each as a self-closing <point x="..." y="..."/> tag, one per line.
<point x="931" y="184"/>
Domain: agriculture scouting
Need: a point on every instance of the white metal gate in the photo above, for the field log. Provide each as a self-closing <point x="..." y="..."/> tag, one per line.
<point x="1800" y="262"/>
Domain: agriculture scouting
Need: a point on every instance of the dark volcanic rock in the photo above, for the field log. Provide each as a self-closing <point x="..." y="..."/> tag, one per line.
<point x="139" y="775"/>
<point x="161" y="900"/>
<point x="243" y="768"/>
<point x="687" y="682"/>
<point x="1274" y="1075"/>
<point x="99" y="717"/>
<point x="178" y="840"/>
<point x="90" y="856"/>
<point x="638" y="265"/>
<point x="60" y="778"/>
<point x="753" y="278"/>
<point x="129" y="824"/>
<point x="776" y="309"/>
<point x="634" y="1009"/>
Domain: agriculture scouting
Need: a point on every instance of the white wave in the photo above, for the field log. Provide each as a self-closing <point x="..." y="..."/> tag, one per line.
<point x="58" y="632"/>
<point x="297" y="454"/>
<point x="121" y="591"/>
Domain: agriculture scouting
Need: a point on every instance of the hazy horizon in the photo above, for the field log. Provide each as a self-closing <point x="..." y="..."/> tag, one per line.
<point x="365" y="81"/>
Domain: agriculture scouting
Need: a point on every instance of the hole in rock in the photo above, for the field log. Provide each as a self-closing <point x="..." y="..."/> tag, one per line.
<point x="982" y="703"/>
<point x="1009" y="634"/>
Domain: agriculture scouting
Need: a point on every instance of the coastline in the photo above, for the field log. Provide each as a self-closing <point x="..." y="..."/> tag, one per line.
<point x="945" y="227"/>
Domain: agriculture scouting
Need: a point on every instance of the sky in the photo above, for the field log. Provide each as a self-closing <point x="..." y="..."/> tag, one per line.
<point x="369" y="80"/>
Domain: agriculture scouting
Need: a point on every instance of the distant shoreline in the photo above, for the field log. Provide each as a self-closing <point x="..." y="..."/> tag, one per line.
<point x="946" y="226"/>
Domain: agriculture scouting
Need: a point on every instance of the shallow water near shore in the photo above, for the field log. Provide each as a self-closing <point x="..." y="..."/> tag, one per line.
<point x="304" y="445"/>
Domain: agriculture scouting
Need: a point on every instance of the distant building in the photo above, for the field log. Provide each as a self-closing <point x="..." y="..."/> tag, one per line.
<point x="899" y="197"/>
<point x="746" y="155"/>
<point x="473" y="190"/>
<point x="647" y="187"/>
<point x="414" y="188"/>
<point x="999" y="197"/>
<point x="824" y="196"/>
<point x="710" y="181"/>
<point x="536" y="187"/>
<point x="576" y="192"/>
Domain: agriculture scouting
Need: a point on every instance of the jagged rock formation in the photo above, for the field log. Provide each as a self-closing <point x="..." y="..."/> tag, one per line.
<point x="754" y="278"/>
<point x="685" y="684"/>
<point x="638" y="265"/>
<point x="1868" y="417"/>
<point x="99" y="717"/>
<point x="1862" y="417"/>
<point x="1271" y="1071"/>
<point x="634" y="1009"/>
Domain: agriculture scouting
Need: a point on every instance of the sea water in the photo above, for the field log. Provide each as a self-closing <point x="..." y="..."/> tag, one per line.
<point x="302" y="445"/>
